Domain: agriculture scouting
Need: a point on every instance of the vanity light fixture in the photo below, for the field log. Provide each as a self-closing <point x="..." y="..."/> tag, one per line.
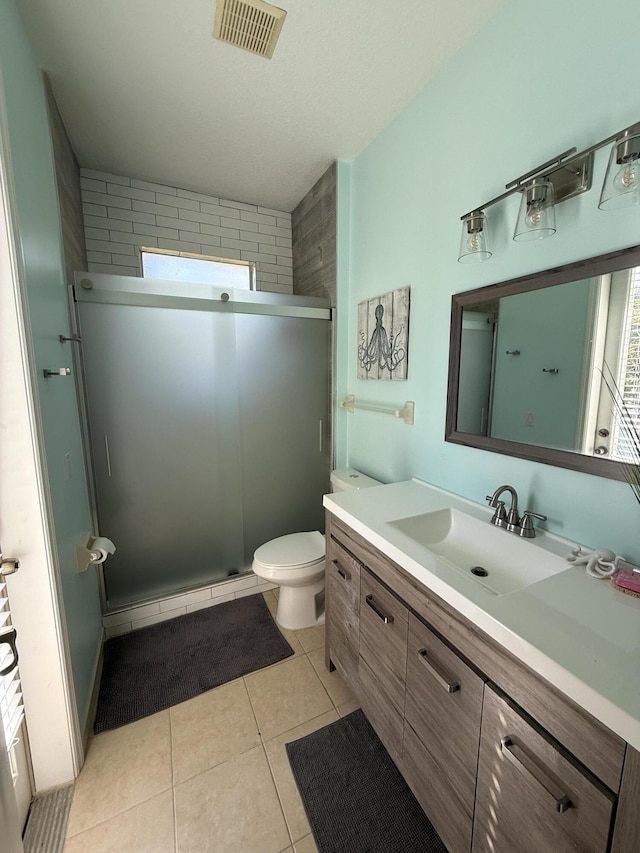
<point x="474" y="242"/>
<point x="537" y="215"/>
<point x="563" y="177"/>
<point x="621" y="186"/>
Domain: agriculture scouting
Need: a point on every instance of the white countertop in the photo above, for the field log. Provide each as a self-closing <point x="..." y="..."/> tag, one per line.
<point x="581" y="634"/>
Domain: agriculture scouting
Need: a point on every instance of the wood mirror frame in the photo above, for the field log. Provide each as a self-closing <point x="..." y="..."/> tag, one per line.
<point x="588" y="268"/>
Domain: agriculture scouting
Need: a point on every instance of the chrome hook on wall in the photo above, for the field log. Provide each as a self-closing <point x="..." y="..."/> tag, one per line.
<point x="75" y="339"/>
<point x="550" y="370"/>
<point x="59" y="371"/>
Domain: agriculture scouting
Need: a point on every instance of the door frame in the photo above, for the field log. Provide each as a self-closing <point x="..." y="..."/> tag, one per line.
<point x="27" y="530"/>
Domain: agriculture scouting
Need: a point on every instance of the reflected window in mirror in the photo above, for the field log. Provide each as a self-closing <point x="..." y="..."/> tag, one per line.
<point x="547" y="367"/>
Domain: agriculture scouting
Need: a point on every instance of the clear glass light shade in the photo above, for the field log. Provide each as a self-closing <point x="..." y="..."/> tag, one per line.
<point x="537" y="215"/>
<point x="621" y="187"/>
<point x="474" y="242"/>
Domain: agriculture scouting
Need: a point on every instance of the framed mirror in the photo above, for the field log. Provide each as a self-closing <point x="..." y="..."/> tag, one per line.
<point x="547" y="366"/>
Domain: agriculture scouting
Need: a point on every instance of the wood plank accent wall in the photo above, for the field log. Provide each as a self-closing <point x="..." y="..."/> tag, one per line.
<point x="313" y="231"/>
<point x="313" y="224"/>
<point x="68" y="181"/>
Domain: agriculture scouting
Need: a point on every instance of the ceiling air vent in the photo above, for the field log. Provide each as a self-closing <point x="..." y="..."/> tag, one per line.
<point x="250" y="24"/>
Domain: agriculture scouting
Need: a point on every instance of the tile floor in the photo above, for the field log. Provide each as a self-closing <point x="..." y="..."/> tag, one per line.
<point x="212" y="773"/>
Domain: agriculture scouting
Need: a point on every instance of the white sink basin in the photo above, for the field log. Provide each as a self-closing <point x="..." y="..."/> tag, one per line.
<point x="474" y="546"/>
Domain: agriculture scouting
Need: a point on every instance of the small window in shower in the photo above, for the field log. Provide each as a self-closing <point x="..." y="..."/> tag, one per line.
<point x="201" y="269"/>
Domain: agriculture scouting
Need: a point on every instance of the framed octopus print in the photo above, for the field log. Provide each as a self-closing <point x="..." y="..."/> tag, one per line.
<point x="383" y="336"/>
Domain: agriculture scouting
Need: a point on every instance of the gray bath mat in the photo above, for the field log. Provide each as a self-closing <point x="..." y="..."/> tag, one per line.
<point x="354" y="795"/>
<point x="159" y="666"/>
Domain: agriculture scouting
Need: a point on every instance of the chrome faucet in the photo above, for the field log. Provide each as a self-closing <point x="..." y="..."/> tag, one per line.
<point x="511" y="521"/>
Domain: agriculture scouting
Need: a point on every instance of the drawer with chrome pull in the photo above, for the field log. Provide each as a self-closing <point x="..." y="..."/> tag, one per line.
<point x="442" y="730"/>
<point x="383" y="636"/>
<point x="343" y="605"/>
<point x="531" y="795"/>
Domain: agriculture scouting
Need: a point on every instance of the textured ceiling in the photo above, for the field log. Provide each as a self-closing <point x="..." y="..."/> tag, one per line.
<point x="146" y="91"/>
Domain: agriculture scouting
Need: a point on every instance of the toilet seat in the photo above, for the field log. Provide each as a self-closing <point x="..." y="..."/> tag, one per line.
<point x="293" y="551"/>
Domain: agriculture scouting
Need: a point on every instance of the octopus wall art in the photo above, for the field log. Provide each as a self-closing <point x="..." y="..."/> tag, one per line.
<point x="383" y="336"/>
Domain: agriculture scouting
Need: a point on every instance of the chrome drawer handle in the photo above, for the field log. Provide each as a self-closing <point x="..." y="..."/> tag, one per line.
<point x="525" y="765"/>
<point x="342" y="572"/>
<point x="386" y="619"/>
<point x="449" y="686"/>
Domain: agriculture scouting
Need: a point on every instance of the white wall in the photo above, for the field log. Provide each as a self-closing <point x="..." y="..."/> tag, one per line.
<point x="122" y="214"/>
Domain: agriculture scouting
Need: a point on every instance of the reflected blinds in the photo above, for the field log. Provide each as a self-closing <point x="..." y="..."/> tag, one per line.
<point x="627" y="422"/>
<point x="11" y="706"/>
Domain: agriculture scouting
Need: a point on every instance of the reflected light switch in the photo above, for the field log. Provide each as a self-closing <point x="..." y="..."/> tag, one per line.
<point x="531" y="419"/>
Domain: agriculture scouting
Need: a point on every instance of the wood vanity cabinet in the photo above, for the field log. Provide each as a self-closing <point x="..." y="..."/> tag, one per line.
<point x="383" y="660"/>
<point x="343" y="608"/>
<point x="531" y="796"/>
<point x="500" y="760"/>
<point x="443" y="709"/>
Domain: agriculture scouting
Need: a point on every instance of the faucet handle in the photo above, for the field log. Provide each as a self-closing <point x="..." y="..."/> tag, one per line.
<point x="527" y="530"/>
<point x="499" y="517"/>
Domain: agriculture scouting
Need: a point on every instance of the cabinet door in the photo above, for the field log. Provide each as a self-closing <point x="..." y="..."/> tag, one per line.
<point x="383" y="636"/>
<point x="383" y="660"/>
<point x="530" y="797"/>
<point x="443" y="712"/>
<point x="343" y="605"/>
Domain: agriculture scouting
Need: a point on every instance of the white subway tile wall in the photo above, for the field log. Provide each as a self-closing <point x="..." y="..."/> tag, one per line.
<point x="148" y="614"/>
<point x="123" y="214"/>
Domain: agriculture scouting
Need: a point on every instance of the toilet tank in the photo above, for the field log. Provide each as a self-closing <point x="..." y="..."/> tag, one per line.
<point x="345" y="479"/>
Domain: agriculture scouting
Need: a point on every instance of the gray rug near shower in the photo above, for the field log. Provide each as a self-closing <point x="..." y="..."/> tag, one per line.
<point x="162" y="665"/>
<point x="354" y="795"/>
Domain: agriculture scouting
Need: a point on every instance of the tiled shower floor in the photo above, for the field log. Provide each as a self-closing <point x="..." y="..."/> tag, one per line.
<point x="211" y="774"/>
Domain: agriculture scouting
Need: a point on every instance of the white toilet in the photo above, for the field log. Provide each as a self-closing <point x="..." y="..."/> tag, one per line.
<point x="296" y="564"/>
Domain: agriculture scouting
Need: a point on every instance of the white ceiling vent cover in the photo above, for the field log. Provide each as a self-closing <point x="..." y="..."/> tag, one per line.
<point x="250" y="24"/>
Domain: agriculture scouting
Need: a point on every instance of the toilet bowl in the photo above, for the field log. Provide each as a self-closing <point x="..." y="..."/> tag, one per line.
<point x="295" y="563"/>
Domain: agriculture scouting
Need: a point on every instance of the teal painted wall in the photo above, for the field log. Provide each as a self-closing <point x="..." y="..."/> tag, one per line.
<point x="521" y="92"/>
<point x="41" y="249"/>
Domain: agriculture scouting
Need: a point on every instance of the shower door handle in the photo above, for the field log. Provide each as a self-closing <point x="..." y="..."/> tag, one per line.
<point x="107" y="454"/>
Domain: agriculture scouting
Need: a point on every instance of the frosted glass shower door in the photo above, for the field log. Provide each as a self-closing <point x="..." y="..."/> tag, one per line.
<point x="283" y="372"/>
<point x="163" y="418"/>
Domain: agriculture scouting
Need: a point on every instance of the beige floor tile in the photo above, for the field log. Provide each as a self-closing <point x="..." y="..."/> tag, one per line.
<point x="287" y="789"/>
<point x="233" y="807"/>
<point x="311" y="638"/>
<point x="210" y="729"/>
<point x="348" y="707"/>
<point x="147" y="828"/>
<point x="294" y="642"/>
<point x="290" y="636"/>
<point x="286" y="695"/>
<point x="306" y="845"/>
<point x="123" y="768"/>
<point x="333" y="682"/>
<point x="272" y="601"/>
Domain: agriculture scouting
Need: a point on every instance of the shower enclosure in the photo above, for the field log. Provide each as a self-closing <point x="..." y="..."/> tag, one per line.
<point x="207" y="415"/>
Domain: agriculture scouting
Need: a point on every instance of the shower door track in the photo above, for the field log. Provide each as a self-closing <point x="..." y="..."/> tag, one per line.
<point x="189" y="303"/>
